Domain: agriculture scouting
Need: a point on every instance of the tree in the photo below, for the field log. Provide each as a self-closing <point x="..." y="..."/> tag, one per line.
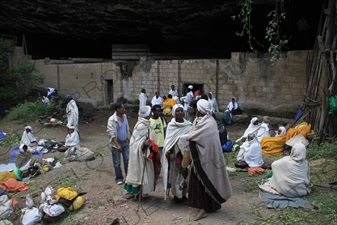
<point x="16" y="81"/>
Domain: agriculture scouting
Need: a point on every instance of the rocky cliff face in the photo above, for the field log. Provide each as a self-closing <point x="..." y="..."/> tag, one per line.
<point x="164" y="25"/>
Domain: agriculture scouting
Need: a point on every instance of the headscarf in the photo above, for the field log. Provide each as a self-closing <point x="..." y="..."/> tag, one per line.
<point x="253" y="120"/>
<point x="28" y="127"/>
<point x="283" y="130"/>
<point x="190" y="87"/>
<point x="203" y="107"/>
<point x="144" y="111"/>
<point x="298" y="152"/>
<point x="69" y="97"/>
<point x="175" y="107"/>
<point x="21" y="148"/>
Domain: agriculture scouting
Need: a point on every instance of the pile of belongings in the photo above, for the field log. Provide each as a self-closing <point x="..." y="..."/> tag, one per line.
<point x="7" y="206"/>
<point x="53" y="205"/>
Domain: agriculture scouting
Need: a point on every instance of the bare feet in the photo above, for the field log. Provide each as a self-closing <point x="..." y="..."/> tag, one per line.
<point x="201" y="214"/>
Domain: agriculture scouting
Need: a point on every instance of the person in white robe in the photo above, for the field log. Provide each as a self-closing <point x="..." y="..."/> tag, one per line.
<point x="251" y="152"/>
<point x="187" y="99"/>
<point x="157" y="100"/>
<point x="173" y="91"/>
<point x="72" y="112"/>
<point x="29" y="139"/>
<point x="213" y="103"/>
<point x="141" y="171"/>
<point x="174" y="146"/>
<point x="72" y="139"/>
<point x="142" y="98"/>
<point x="23" y="158"/>
<point x="253" y="127"/>
<point x="291" y="175"/>
<point x="264" y="128"/>
<point x="281" y="130"/>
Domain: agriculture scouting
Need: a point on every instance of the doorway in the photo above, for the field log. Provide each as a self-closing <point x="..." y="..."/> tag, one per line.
<point x="195" y="87"/>
<point x="109" y="92"/>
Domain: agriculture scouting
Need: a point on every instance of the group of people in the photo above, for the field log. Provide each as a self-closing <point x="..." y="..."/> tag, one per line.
<point x="188" y="155"/>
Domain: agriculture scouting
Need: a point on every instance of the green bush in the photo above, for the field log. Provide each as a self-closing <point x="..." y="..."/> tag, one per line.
<point x="29" y="111"/>
<point x="325" y="150"/>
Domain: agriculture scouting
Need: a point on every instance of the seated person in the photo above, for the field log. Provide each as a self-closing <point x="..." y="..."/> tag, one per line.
<point x="250" y="154"/>
<point x="168" y="104"/>
<point x="291" y="176"/>
<point x="23" y="158"/>
<point x="264" y="130"/>
<point x="72" y="139"/>
<point x="29" y="139"/>
<point x="232" y="109"/>
<point x="281" y="130"/>
<point x="253" y="127"/>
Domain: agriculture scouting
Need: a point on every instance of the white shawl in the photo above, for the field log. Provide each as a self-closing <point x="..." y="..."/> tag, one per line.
<point x="142" y="99"/>
<point x="176" y="136"/>
<point x="252" y="129"/>
<point x="72" y="114"/>
<point x="263" y="131"/>
<point x="72" y="139"/>
<point x="136" y="159"/>
<point x="29" y="140"/>
<point x="251" y="153"/>
<point x="291" y="176"/>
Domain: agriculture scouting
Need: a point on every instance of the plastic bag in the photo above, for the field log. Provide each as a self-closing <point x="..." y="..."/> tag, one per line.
<point x="6" y="207"/>
<point x="333" y="104"/>
<point x="18" y="173"/>
<point x="29" y="201"/>
<point x="31" y="216"/>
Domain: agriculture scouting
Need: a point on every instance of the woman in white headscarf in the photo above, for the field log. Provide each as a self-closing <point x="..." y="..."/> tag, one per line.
<point x="209" y="185"/>
<point x="23" y="158"/>
<point x="281" y="130"/>
<point x="291" y="175"/>
<point x="264" y="128"/>
<point x="174" y="147"/>
<point x="143" y="157"/>
<point x="212" y="101"/>
<point x="29" y="139"/>
<point x="253" y="127"/>
<point x="251" y="152"/>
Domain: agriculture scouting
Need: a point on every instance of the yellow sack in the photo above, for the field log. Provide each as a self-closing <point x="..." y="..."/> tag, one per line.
<point x="4" y="176"/>
<point x="78" y="202"/>
<point x="67" y="193"/>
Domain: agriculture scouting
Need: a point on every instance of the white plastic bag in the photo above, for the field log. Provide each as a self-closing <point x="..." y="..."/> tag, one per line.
<point x="6" y="207"/>
<point x="29" y="201"/>
<point x="53" y="210"/>
<point x="31" y="216"/>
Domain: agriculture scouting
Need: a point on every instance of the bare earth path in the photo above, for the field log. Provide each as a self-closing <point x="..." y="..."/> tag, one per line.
<point x="104" y="198"/>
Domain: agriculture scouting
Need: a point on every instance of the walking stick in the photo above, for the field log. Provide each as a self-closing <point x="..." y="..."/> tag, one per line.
<point x="141" y="183"/>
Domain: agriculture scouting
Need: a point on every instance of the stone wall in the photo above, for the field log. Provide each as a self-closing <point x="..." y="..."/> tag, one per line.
<point x="249" y="77"/>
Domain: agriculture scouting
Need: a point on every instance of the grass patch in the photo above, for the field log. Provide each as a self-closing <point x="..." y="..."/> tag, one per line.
<point x="10" y="140"/>
<point x="98" y="152"/>
<point x="30" y="111"/>
<point x="325" y="150"/>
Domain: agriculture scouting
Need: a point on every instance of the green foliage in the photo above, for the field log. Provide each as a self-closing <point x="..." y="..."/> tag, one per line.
<point x="245" y="19"/>
<point x="16" y="81"/>
<point x="29" y="111"/>
<point x="276" y="43"/>
<point x="325" y="150"/>
<point x="10" y="140"/>
<point x="4" y="55"/>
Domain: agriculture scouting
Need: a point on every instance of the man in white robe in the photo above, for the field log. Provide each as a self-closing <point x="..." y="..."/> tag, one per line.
<point x="175" y="143"/>
<point x="173" y="91"/>
<point x="187" y="99"/>
<point x="72" y="112"/>
<point x="157" y="100"/>
<point x="141" y="176"/>
<point x="142" y="98"/>
<point x="29" y="139"/>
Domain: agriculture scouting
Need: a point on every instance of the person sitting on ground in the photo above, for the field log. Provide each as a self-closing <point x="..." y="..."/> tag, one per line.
<point x="291" y="175"/>
<point x="29" y="139"/>
<point x="23" y="158"/>
<point x="168" y="105"/>
<point x="157" y="99"/>
<point x="173" y="92"/>
<point x="232" y="109"/>
<point x="264" y="130"/>
<point x="253" y="127"/>
<point x="72" y="139"/>
<point x="250" y="154"/>
<point x="212" y="101"/>
<point x="281" y="130"/>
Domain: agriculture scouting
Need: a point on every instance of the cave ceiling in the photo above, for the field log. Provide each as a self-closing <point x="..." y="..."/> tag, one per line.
<point x="79" y="28"/>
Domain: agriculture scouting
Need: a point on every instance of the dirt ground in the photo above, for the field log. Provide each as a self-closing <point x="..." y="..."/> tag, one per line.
<point x="104" y="198"/>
